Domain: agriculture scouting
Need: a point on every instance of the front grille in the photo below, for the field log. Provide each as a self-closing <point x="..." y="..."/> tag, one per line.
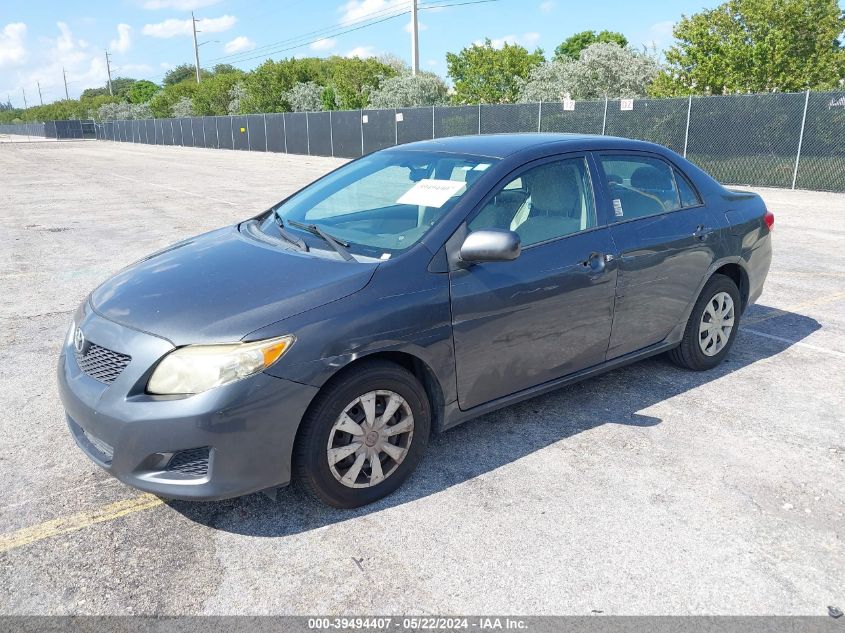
<point x="100" y="363"/>
<point x="193" y="461"/>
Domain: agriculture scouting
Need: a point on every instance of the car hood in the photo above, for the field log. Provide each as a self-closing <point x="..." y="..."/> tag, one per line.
<point x="221" y="286"/>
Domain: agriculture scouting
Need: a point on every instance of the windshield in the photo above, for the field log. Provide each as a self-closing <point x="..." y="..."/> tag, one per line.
<point x="383" y="203"/>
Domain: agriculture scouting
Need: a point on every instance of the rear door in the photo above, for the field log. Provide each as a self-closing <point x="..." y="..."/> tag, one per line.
<point x="548" y="313"/>
<point x="666" y="241"/>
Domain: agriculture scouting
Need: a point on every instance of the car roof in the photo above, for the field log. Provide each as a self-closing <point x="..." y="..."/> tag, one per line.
<point x="503" y="145"/>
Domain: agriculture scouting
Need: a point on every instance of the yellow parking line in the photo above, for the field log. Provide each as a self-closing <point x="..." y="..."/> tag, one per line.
<point x="78" y="521"/>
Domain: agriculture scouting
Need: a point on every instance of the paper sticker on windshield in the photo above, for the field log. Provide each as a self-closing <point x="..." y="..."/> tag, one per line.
<point x="431" y="193"/>
<point x="617" y="207"/>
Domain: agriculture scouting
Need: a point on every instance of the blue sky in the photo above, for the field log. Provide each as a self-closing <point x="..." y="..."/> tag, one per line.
<point x="146" y="37"/>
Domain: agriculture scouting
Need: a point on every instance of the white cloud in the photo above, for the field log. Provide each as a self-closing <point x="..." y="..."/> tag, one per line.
<point x="325" y="44"/>
<point x="124" y="39"/>
<point x="174" y="27"/>
<point x="420" y="26"/>
<point x="528" y="40"/>
<point x="179" y="5"/>
<point x="547" y="6"/>
<point x="86" y="67"/>
<point x="660" y="33"/>
<point x="12" y="48"/>
<point x="357" y="9"/>
<point x="135" y="69"/>
<point x="239" y="45"/>
<point x="363" y="52"/>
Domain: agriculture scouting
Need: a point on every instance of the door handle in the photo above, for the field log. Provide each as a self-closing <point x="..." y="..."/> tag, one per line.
<point x="702" y="232"/>
<point x="595" y="263"/>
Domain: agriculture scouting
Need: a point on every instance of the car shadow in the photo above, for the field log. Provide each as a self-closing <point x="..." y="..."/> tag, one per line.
<point x="499" y="438"/>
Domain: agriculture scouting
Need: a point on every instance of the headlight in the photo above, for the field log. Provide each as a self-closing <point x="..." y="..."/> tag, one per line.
<point x="197" y="368"/>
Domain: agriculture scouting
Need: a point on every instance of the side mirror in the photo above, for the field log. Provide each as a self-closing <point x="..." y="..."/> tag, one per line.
<point x="490" y="245"/>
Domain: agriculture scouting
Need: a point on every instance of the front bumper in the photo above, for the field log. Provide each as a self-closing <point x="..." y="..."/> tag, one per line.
<point x="228" y="441"/>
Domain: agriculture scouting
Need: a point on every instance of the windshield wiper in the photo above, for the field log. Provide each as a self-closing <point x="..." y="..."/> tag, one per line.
<point x="339" y="245"/>
<point x="287" y="235"/>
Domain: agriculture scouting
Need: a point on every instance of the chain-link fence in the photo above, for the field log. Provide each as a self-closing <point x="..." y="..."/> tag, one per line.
<point x="778" y="140"/>
<point x="73" y="129"/>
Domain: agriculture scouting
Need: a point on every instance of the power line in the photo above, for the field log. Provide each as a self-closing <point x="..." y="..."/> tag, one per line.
<point x="324" y="32"/>
<point x="365" y="21"/>
<point x="338" y="30"/>
<point x="290" y="48"/>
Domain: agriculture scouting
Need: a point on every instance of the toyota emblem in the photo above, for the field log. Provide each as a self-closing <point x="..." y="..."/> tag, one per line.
<point x="79" y="340"/>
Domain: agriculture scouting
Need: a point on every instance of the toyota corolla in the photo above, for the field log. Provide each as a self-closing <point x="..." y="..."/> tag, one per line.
<point x="325" y="339"/>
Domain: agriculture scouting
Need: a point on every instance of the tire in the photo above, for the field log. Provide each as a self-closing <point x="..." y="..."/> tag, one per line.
<point x="323" y="430"/>
<point x="694" y="352"/>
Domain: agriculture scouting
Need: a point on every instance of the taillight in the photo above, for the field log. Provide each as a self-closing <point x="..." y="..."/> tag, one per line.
<point x="770" y="220"/>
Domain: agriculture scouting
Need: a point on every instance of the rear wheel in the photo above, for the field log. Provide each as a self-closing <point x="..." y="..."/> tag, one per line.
<point x="712" y="326"/>
<point x="363" y="436"/>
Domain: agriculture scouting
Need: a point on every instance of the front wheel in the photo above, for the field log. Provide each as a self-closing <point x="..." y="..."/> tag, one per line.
<point x="712" y="326"/>
<point x="363" y="436"/>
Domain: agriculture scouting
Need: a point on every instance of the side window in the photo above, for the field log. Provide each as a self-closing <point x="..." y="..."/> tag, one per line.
<point x="640" y="186"/>
<point x="689" y="198"/>
<point x="543" y="203"/>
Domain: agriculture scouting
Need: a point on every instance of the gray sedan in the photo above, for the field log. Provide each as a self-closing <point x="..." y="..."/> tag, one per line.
<point x="325" y="339"/>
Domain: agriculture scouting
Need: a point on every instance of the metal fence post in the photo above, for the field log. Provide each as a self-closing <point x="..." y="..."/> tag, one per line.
<point x="432" y="122"/>
<point x="479" y="118"/>
<point x="285" y="131"/>
<point x="248" y="142"/>
<point x="331" y="133"/>
<point x="266" y="147"/>
<point x="540" y="118"/>
<point x="604" y="119"/>
<point x="800" y="139"/>
<point x="686" y="132"/>
<point x="395" y="126"/>
<point x="361" y="120"/>
<point x="307" y="134"/>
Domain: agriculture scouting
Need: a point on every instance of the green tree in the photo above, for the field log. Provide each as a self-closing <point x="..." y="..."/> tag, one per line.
<point x="305" y="97"/>
<point x="163" y="102"/>
<point x="222" y="69"/>
<point x="408" y="91"/>
<point x="602" y="70"/>
<point x="572" y="46"/>
<point x="485" y="74"/>
<point x="121" y="86"/>
<point x="182" y="72"/>
<point x="142" y="91"/>
<point x="213" y="95"/>
<point x="756" y="46"/>
<point x="266" y="85"/>
<point x="94" y="92"/>
<point x="353" y="79"/>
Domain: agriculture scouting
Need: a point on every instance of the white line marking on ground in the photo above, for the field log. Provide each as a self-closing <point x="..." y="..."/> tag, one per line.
<point x="788" y="341"/>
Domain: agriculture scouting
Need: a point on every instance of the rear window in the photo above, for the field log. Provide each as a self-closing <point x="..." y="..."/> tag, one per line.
<point x="640" y="186"/>
<point x="689" y="198"/>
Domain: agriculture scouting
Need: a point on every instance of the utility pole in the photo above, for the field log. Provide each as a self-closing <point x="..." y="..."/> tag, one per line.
<point x="415" y="39"/>
<point x="196" y="46"/>
<point x="23" y="92"/>
<point x="38" y="83"/>
<point x="108" y="69"/>
<point x="64" y="74"/>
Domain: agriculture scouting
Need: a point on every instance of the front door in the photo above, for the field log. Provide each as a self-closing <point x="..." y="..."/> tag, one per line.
<point x="666" y="240"/>
<point x="548" y="313"/>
